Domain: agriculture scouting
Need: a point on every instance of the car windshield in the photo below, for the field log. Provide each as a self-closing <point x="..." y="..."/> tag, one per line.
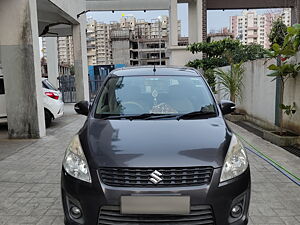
<point x="137" y="95"/>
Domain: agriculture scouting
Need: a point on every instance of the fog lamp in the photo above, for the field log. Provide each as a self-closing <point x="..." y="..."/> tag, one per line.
<point x="75" y="212"/>
<point x="236" y="211"/>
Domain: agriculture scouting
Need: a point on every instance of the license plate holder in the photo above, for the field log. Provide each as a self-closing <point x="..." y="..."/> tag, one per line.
<point x="175" y="205"/>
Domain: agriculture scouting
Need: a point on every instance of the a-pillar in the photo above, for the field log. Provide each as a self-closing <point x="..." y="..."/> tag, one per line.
<point x="52" y="60"/>
<point x="80" y="60"/>
<point x="197" y="19"/>
<point x="21" y="68"/>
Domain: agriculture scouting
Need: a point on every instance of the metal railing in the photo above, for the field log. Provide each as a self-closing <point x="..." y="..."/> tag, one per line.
<point x="68" y="89"/>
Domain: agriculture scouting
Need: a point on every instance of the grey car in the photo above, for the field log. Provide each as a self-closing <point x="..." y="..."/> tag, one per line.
<point x="155" y="149"/>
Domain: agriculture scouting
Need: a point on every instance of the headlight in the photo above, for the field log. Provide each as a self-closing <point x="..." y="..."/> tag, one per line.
<point x="75" y="162"/>
<point x="236" y="161"/>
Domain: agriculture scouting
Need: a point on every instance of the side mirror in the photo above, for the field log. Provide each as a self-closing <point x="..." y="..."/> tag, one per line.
<point x="227" y="106"/>
<point x="82" y="108"/>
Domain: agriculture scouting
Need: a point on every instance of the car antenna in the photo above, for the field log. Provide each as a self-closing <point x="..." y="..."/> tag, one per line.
<point x="154" y="69"/>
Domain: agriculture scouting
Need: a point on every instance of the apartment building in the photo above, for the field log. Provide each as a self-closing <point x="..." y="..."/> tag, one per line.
<point x="98" y="43"/>
<point x="65" y="56"/>
<point x="252" y="27"/>
<point x="65" y="50"/>
<point x="98" y="46"/>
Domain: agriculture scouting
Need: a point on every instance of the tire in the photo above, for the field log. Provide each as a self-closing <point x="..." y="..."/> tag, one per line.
<point x="48" y="118"/>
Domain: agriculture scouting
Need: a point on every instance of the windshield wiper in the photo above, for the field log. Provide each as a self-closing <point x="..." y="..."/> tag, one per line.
<point x="154" y="116"/>
<point x="195" y="114"/>
<point x="161" y="116"/>
<point x="133" y="117"/>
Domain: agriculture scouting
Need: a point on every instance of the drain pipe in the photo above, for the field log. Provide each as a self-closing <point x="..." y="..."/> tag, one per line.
<point x="269" y="160"/>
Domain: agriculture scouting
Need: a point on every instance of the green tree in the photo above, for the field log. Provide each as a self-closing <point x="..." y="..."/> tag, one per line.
<point x="223" y="53"/>
<point x="278" y="32"/>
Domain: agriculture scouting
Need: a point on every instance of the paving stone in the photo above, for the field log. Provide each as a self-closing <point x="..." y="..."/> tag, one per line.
<point x="290" y="220"/>
<point x="30" y="182"/>
<point x="46" y="220"/>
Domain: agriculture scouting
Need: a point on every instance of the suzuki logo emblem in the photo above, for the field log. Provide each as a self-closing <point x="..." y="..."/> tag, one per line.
<point x="155" y="177"/>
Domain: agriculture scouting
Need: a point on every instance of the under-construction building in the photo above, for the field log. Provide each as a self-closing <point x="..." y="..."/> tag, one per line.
<point x="137" y="42"/>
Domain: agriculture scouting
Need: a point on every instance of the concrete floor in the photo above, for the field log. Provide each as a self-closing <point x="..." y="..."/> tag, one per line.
<point x="30" y="178"/>
<point x="274" y="198"/>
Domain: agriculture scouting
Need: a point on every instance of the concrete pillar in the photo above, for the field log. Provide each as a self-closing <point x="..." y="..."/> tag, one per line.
<point x="195" y="13"/>
<point x="21" y="68"/>
<point x="52" y="60"/>
<point x="293" y="16"/>
<point x="173" y="23"/>
<point x="204" y="20"/>
<point x="297" y="11"/>
<point x="80" y="60"/>
<point x="192" y="14"/>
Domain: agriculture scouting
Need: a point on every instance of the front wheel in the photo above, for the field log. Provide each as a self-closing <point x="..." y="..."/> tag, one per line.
<point x="48" y="118"/>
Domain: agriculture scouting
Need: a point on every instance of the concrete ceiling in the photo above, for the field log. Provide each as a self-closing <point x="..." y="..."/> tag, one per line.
<point x="52" y="21"/>
<point x="249" y="4"/>
<point x="126" y="5"/>
<point x="138" y="5"/>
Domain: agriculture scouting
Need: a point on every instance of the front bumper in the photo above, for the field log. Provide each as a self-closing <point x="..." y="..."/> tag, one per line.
<point x="221" y="197"/>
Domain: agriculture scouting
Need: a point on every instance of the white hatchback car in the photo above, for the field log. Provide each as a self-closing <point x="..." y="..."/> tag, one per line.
<point x="52" y="100"/>
<point x="53" y="104"/>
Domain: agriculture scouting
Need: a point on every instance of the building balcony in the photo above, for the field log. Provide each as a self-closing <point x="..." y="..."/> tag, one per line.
<point x="91" y="46"/>
<point x="90" y="39"/>
<point x="149" y="50"/>
<point x="252" y="36"/>
<point x="252" y="28"/>
<point x="92" y="53"/>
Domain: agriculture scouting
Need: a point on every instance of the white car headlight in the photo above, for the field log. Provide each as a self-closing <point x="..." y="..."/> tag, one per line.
<point x="236" y="161"/>
<point x="75" y="162"/>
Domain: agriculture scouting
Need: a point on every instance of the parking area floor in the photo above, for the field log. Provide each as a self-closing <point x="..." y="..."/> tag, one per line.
<point x="30" y="178"/>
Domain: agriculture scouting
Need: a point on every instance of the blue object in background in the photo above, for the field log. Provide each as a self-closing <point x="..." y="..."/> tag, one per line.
<point x="98" y="73"/>
<point x="92" y="77"/>
<point x="117" y="66"/>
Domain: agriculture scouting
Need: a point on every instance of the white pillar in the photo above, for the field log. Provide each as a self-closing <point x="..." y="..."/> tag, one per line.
<point x="192" y="15"/>
<point x="52" y="60"/>
<point x="173" y="24"/>
<point x="80" y="60"/>
<point x="195" y="13"/>
<point x="21" y="68"/>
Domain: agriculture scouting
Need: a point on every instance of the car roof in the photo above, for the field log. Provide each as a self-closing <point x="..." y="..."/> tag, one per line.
<point x="159" y="70"/>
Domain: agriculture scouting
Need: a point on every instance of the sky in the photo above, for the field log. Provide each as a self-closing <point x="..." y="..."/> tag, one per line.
<point x="216" y="19"/>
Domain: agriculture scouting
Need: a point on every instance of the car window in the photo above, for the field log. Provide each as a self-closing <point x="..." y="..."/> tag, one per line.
<point x="48" y="85"/>
<point x="2" y="91"/>
<point x="154" y="94"/>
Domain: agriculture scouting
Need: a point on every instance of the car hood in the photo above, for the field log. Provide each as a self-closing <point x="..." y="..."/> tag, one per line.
<point x="155" y="143"/>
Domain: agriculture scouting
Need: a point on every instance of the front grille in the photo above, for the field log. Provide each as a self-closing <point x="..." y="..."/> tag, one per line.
<point x="199" y="215"/>
<point x="140" y="177"/>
